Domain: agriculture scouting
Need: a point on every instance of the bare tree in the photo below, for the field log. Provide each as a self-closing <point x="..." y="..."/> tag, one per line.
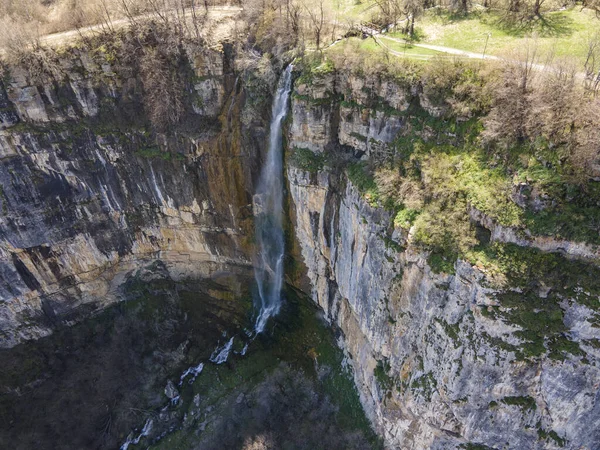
<point x="390" y="11"/>
<point x="163" y="92"/>
<point x="585" y="155"/>
<point x="510" y="91"/>
<point x="592" y="65"/>
<point x="412" y="9"/>
<point x="316" y="18"/>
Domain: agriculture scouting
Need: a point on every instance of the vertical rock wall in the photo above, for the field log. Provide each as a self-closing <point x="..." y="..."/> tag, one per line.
<point x="90" y="191"/>
<point x="433" y="370"/>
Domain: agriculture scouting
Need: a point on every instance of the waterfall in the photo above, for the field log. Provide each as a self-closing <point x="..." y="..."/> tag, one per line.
<point x="268" y="203"/>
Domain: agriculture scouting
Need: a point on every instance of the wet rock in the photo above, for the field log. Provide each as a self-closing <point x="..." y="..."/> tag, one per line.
<point x="171" y="391"/>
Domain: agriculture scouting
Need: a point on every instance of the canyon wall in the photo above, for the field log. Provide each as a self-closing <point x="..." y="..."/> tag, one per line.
<point x="434" y="368"/>
<point x="90" y="191"/>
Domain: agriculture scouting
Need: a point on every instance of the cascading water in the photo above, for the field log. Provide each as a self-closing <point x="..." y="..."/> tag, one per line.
<point x="268" y="203"/>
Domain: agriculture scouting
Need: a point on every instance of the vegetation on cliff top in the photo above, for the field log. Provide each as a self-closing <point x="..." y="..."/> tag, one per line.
<point x="512" y="144"/>
<point x="516" y="145"/>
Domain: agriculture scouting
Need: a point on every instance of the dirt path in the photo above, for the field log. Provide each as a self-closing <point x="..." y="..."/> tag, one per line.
<point x="55" y="39"/>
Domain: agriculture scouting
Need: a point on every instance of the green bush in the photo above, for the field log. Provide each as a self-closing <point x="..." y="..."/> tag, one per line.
<point x="361" y="177"/>
<point x="306" y="159"/>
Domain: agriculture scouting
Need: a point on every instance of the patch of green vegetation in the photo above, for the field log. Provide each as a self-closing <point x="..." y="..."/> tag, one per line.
<point x="306" y="159"/>
<point x="562" y="31"/>
<point x="528" y="271"/>
<point x="475" y="446"/>
<point x="381" y="372"/>
<point x="424" y="385"/>
<point x="526" y="403"/>
<point x="314" y="66"/>
<point x="361" y="177"/>
<point x="327" y="100"/>
<point x="545" y="435"/>
<point x="453" y="331"/>
<point x="392" y="244"/>
<point x="358" y="136"/>
<point x="594" y="343"/>
<point x="526" y="268"/>
<point x="406" y="217"/>
<point x="303" y="344"/>
<point x="156" y="152"/>
<point x="566" y="220"/>
<point x="369" y="58"/>
<point x="442" y="263"/>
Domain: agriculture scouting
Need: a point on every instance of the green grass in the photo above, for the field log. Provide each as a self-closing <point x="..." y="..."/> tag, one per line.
<point x="409" y="50"/>
<point x="382" y="48"/>
<point x="565" y="32"/>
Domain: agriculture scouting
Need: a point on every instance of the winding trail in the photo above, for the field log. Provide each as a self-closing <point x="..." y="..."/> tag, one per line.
<point x="55" y="39"/>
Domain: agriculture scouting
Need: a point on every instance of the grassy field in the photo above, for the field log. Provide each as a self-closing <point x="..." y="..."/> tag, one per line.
<point x="565" y="33"/>
<point x="389" y="47"/>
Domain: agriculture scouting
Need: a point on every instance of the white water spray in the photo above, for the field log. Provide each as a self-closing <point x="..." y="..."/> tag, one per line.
<point x="220" y="354"/>
<point x="193" y="371"/>
<point x="269" y="212"/>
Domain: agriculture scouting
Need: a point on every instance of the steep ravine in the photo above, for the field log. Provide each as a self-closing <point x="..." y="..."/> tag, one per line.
<point x="127" y="262"/>
<point x="434" y="368"/>
<point x="93" y="195"/>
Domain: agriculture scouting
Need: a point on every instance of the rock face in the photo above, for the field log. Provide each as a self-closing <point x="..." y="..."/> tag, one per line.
<point x="89" y="192"/>
<point x="433" y="368"/>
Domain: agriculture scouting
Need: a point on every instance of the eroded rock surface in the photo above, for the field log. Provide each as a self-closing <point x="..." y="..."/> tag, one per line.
<point x="434" y="368"/>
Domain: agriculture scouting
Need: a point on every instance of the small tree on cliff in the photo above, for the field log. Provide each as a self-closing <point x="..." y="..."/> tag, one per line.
<point x="317" y="20"/>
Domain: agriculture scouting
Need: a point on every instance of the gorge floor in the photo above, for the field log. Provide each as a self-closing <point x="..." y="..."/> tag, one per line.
<point x="94" y="384"/>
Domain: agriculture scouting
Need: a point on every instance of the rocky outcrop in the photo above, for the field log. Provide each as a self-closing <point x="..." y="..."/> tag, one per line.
<point x="89" y="192"/>
<point x="434" y="368"/>
<point x="524" y="238"/>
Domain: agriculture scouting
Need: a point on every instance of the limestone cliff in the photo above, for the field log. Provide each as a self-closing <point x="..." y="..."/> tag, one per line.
<point x="90" y="189"/>
<point x="435" y="365"/>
